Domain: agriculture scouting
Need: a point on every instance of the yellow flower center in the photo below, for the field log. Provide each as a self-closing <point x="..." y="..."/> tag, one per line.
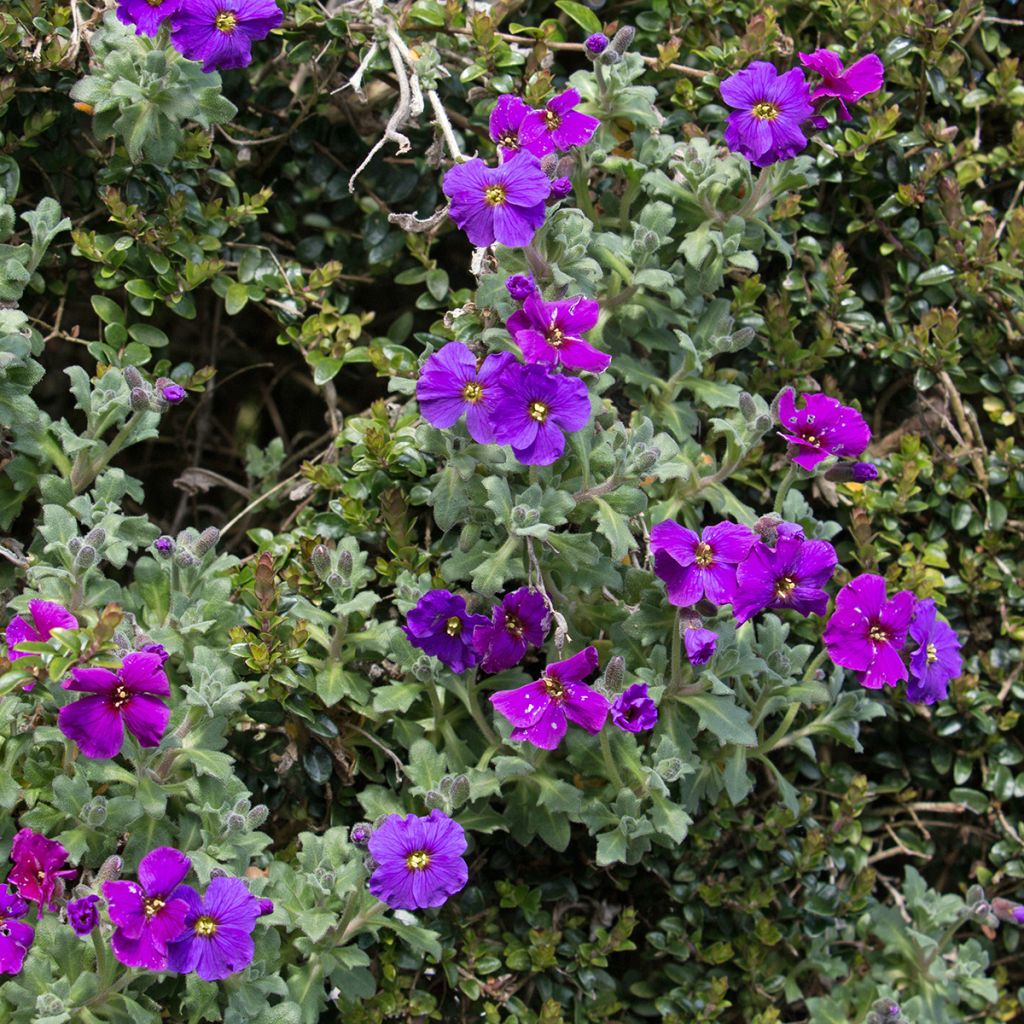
<point x="453" y="627"/>
<point x="784" y="587"/>
<point x="765" y="111"/>
<point x="703" y="555"/>
<point x="509" y="139"/>
<point x="554" y="689"/>
<point x="538" y="411"/>
<point x="121" y="697"/>
<point x="472" y="392"/>
<point x="556" y="338"/>
<point x="495" y="195"/>
<point x="226" y="21"/>
<point x="154" y="3"/>
<point x="878" y="635"/>
<point x="551" y="120"/>
<point x="205" y="927"/>
<point x="514" y="626"/>
<point x="152" y="906"/>
<point x="419" y="860"/>
<point x="931" y="653"/>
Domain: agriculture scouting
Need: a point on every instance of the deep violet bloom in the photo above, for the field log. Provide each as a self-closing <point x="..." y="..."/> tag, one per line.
<point x="768" y="109"/>
<point x="852" y="472"/>
<point x="849" y="85"/>
<point x="597" y="43"/>
<point x="823" y="427"/>
<point x="693" y="567"/>
<point x="147" y="913"/>
<point x="521" y="619"/>
<point x="700" y="644"/>
<point x="441" y="626"/>
<point x="539" y="711"/>
<point x="158" y="649"/>
<point x="498" y="204"/>
<point x="419" y="860"/>
<point x="36" y="873"/>
<point x="560" y="125"/>
<point x="15" y="936"/>
<point x="508" y="130"/>
<point x="128" y="699"/>
<point x="561" y="187"/>
<point x="174" y="394"/>
<point x="633" y="710"/>
<point x="937" y="658"/>
<point x="83" y="914"/>
<point x="867" y="631"/>
<point x="146" y="15"/>
<point x="451" y="386"/>
<point x="790" y="575"/>
<point x="520" y="286"/>
<point x="46" y="616"/>
<point x="217" y="938"/>
<point x="551" y="332"/>
<point x="164" y="545"/>
<point x="220" y="33"/>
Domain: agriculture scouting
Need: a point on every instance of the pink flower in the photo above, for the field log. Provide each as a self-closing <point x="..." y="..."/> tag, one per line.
<point x="847" y="86"/>
<point x="36" y="873"/>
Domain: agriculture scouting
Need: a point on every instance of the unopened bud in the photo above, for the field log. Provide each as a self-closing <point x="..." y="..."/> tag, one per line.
<point x="345" y="564"/>
<point x="646" y="460"/>
<point x="164" y="546"/>
<point x="85" y="559"/>
<point x="49" y="1005"/>
<point x="566" y="165"/>
<point x="596" y="44"/>
<point x="614" y="673"/>
<point x="748" y="408"/>
<point x="140" y="400"/>
<point x="218" y="872"/>
<point x="434" y="798"/>
<point x="621" y="40"/>
<point x="325" y="878"/>
<point x="762" y="423"/>
<point x="334" y="581"/>
<point x="456" y="788"/>
<point x="852" y="472"/>
<point x="321" y="558"/>
<point x="549" y="164"/>
<point x="96" y="537"/>
<point x="75" y="545"/>
<point x="360" y="833"/>
<point x="561" y="631"/>
<point x="561" y="187"/>
<point x="110" y="869"/>
<point x="185" y="559"/>
<point x="234" y="823"/>
<point x="670" y="769"/>
<point x="257" y="816"/>
<point x="94" y="812"/>
<point x="133" y="378"/>
<point x="207" y="539"/>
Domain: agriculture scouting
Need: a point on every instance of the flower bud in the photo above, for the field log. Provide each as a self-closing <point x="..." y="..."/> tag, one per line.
<point x="174" y="394"/>
<point x="434" y="798"/>
<point x="139" y="400"/>
<point x="456" y="788"/>
<point x="266" y="906"/>
<point x="614" y="673"/>
<point x="321" y="558"/>
<point x="596" y="44"/>
<point x="164" y="546"/>
<point x="566" y="165"/>
<point x="234" y="823"/>
<point x="334" y="581"/>
<point x="359" y="834"/>
<point x="94" y="812"/>
<point x="96" y="537"/>
<point x="622" y="39"/>
<point x="207" y="539"/>
<point x="257" y="816"/>
<point x="110" y="869"/>
<point x="560" y="188"/>
<point x="520" y="286"/>
<point x="345" y="564"/>
<point x="75" y="545"/>
<point x="85" y="559"/>
<point x="133" y="378"/>
<point x="549" y="164"/>
<point x="646" y="460"/>
<point x="762" y="423"/>
<point x="855" y="472"/>
<point x="185" y="559"/>
<point x="49" y="1005"/>
<point x="670" y="768"/>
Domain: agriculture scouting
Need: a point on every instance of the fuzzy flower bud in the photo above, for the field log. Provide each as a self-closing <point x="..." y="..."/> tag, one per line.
<point x="646" y="460"/>
<point x="334" y="581"/>
<point x="621" y="40"/>
<point x="614" y="673"/>
<point x="94" y="812"/>
<point x="434" y="798"/>
<point x="74" y="545"/>
<point x="549" y="164"/>
<point x="748" y="409"/>
<point x="345" y="564"/>
<point x="96" y="537"/>
<point x="669" y="769"/>
<point x="164" y="545"/>
<point x="139" y="400"/>
<point x="206" y="540"/>
<point x="185" y="559"/>
<point x="321" y="558"/>
<point x="360" y="833"/>
<point x="110" y="869"/>
<point x="85" y="559"/>
<point x="560" y="188"/>
<point x="852" y="472"/>
<point x="133" y="378"/>
<point x="257" y="816"/>
<point x="234" y="823"/>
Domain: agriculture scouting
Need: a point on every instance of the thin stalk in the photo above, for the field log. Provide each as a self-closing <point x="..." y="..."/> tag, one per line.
<point x="784" y="487"/>
<point x="609" y="762"/>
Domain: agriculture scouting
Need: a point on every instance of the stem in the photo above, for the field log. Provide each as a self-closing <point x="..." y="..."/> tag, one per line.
<point x="787" y="483"/>
<point x="473" y="706"/>
<point x="815" y="664"/>
<point x="780" y="732"/>
<point x="602" y="82"/>
<point x="539" y="266"/>
<point x="609" y="762"/>
<point x="581" y="188"/>
<point x="83" y="475"/>
<point x="676" y="676"/>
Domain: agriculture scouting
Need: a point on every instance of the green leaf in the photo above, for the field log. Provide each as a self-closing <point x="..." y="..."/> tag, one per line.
<point x="107" y="310"/>
<point x="615" y="528"/>
<point x="583" y="16"/>
<point x="722" y="716"/>
<point x="236" y="298"/>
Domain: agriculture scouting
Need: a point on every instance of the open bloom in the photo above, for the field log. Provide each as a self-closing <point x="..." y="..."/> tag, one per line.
<point x="534" y="409"/>
<point x="419" y="860"/>
<point x="15" y="936"/>
<point x="633" y="710"/>
<point x="521" y="619"/>
<point x="823" y="427"/>
<point x="128" y="698"/>
<point x="693" y="567"/>
<point x="450" y="385"/>
<point x="768" y="109"/>
<point x="83" y="914"/>
<point x="146" y="914"/>
<point x="700" y="644"/>
<point x="540" y="710"/>
<point x="550" y="332"/>
<point x="867" y="631"/>
<point x="220" y="33"/>
<point x="217" y="938"/>
<point x="146" y="15"/>
<point x="441" y="626"/>
<point x="846" y="85"/>
<point x="937" y="658"/>
<point x="46" y="616"/>
<point x="37" y="862"/>
<point x="512" y="128"/>
<point x="559" y="125"/>
<point x="790" y="575"/>
<point x="498" y="204"/>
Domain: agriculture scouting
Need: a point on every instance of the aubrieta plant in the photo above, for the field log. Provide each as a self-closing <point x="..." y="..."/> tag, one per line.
<point x="472" y="554"/>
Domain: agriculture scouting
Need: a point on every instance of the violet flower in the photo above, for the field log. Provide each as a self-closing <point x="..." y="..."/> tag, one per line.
<point x="540" y="710"/>
<point x="36" y="873"/>
<point x="633" y="710"/>
<point x="790" y="575"/>
<point x="512" y="129"/>
<point x="693" y="567"/>
<point x="596" y="43"/>
<point x="823" y="427"/>
<point x="521" y="619"/>
<point x="550" y="332"/>
<point x="937" y="658"/>
<point x="867" y="631"/>
<point x="520" y="286"/>
<point x="560" y="187"/>
<point x="83" y="914"/>
<point x="46" y="616"/>
<point x="220" y="33"/>
<point x="700" y="644"/>
<point x="174" y="394"/>
<point x="419" y="860"/>
<point x="559" y="125"/>
<point x="847" y="86"/>
<point x="146" y="15"/>
<point x="441" y="626"/>
<point x="15" y="936"/>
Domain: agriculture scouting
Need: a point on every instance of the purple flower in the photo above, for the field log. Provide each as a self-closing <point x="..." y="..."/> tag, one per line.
<point x="937" y="658"/>
<point x="700" y="644"/>
<point x="633" y="710"/>
<point x="217" y="938"/>
<point x="146" y="15"/>
<point x="534" y="407"/>
<point x="848" y="86"/>
<point x="15" y="937"/>
<point x="597" y="43"/>
<point x="693" y="567"/>
<point x="1018" y="914"/>
<point x="83" y="914"/>
<point x="561" y="187"/>
<point x="450" y="384"/>
<point x="498" y="204"/>
<point x="509" y="131"/>
<point x="520" y="286"/>
<point x="790" y="575"/>
<point x="158" y="649"/>
<point x="147" y="913"/>
<point x="823" y="427"/>
<point x="441" y="626"/>
<point x="560" y="126"/>
<point x="164" y="545"/>
<point x="539" y="710"/>
<point x="174" y="393"/>
<point x="127" y="698"/>
<point x="46" y="617"/>
<point x="867" y="631"/>
<point x="220" y="33"/>
<point x="36" y="873"/>
<point x="360" y="834"/>
<point x="521" y="619"/>
<point x="768" y="109"/>
<point x="852" y="472"/>
<point x="549" y="332"/>
<point x="419" y="860"/>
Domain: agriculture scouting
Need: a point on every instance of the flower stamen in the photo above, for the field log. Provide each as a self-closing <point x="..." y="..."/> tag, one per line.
<point x="495" y="195"/>
<point x="765" y="111"/>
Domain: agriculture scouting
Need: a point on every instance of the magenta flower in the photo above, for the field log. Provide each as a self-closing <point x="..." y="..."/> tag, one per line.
<point x="147" y="913"/>
<point x="146" y="15"/>
<point x="847" y="86"/>
<point x="15" y="936"/>
<point x="790" y="575"/>
<point x="693" y="567"/>
<point x="633" y="710"/>
<point x="560" y="188"/>
<point x="36" y="873"/>
<point x="220" y="33"/>
<point x="768" y="109"/>
<point x="520" y="286"/>
<point x="539" y="711"/>
<point x="83" y="914"/>
<point x="823" y="427"/>
<point x="521" y="619"/>
<point x="937" y="658"/>
<point x="217" y="937"/>
<point x="174" y="394"/>
<point x="596" y="43"/>
<point x="700" y="644"/>
<point x="450" y="385"/>
<point x="441" y="626"/>
<point x="498" y="204"/>
<point x="46" y="617"/>
<point x="559" y="125"/>
<point x="549" y="332"/>
<point x="512" y="128"/>
<point x="128" y="698"/>
<point x="534" y="407"/>
<point x="419" y="860"/>
<point x="867" y="631"/>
